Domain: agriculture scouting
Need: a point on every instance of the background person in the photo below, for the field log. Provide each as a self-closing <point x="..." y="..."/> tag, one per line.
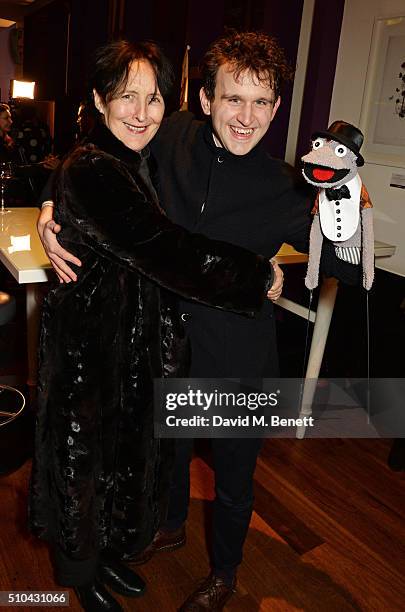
<point x="31" y="167"/>
<point x="87" y="118"/>
<point x="6" y="142"/>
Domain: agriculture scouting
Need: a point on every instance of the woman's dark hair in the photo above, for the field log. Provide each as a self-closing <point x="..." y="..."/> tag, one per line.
<point x="252" y="51"/>
<point x="112" y="63"/>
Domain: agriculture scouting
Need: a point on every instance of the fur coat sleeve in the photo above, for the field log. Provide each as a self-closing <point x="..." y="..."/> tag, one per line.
<point x="106" y="205"/>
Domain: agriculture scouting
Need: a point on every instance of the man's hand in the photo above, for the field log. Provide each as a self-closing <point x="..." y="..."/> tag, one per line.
<point x="274" y="293"/>
<point x="47" y="230"/>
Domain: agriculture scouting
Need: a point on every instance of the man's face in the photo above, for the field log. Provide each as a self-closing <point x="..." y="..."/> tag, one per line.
<point x="241" y="111"/>
<point x="85" y="121"/>
<point x="5" y="122"/>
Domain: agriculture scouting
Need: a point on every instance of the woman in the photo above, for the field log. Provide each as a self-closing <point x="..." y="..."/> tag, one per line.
<point x="6" y="142"/>
<point x="99" y="481"/>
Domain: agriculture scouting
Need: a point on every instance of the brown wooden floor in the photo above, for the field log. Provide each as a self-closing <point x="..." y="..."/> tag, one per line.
<point x="327" y="535"/>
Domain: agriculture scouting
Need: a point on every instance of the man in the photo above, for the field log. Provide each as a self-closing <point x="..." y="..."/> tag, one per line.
<point x="86" y="120"/>
<point x="217" y="179"/>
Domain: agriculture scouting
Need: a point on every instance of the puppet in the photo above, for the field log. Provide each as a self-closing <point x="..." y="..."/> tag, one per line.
<point x="342" y="237"/>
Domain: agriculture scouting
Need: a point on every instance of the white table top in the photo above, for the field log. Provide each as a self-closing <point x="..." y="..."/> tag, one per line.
<point x="21" y="250"/>
<point x="22" y="253"/>
<point x="287" y="254"/>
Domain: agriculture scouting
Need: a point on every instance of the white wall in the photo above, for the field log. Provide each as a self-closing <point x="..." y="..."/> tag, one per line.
<point x="7" y="66"/>
<point x="347" y="99"/>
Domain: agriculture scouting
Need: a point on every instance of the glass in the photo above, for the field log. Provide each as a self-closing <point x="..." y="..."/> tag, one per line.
<point x="6" y="173"/>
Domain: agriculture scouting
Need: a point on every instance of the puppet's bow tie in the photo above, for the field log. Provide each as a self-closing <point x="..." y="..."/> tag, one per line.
<point x="338" y="194"/>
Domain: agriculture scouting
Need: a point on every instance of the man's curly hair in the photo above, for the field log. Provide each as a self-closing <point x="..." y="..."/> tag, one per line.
<point x="254" y="52"/>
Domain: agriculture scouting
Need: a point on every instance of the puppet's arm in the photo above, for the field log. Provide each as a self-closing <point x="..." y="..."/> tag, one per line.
<point x="367" y="247"/>
<point x="315" y="248"/>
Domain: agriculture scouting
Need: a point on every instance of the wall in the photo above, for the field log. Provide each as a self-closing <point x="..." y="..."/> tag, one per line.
<point x="347" y="100"/>
<point x="58" y="42"/>
<point x="7" y="66"/>
<point x="323" y="49"/>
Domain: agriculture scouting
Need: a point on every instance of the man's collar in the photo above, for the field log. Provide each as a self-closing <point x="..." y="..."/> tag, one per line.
<point x="209" y="139"/>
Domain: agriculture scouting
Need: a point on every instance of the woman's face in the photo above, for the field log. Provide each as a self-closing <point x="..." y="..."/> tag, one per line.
<point x="135" y="115"/>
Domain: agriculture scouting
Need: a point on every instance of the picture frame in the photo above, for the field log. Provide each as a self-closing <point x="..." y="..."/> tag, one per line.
<point x="382" y="117"/>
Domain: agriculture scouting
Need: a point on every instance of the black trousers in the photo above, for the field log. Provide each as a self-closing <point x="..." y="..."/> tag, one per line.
<point x="225" y="345"/>
<point x="234" y="462"/>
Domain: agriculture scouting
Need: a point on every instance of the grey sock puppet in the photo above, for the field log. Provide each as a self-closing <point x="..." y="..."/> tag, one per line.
<point x="342" y="211"/>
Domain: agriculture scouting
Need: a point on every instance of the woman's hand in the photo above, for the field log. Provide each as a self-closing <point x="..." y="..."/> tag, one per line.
<point x="274" y="293"/>
<point x="51" y="162"/>
<point x="48" y="230"/>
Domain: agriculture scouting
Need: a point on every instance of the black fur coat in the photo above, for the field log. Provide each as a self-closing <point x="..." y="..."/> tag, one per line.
<point x="99" y="477"/>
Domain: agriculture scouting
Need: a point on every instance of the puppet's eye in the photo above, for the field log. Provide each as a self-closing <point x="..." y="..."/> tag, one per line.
<point x="318" y="143"/>
<point x="340" y="150"/>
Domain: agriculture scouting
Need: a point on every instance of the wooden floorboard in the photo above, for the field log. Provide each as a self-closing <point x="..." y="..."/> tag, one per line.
<point x="288" y="525"/>
<point x="327" y="535"/>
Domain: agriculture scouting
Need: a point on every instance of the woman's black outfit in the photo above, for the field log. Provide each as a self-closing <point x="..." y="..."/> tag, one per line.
<point x="100" y="479"/>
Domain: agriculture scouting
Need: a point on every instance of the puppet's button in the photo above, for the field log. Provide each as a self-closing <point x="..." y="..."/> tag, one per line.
<point x="338" y="212"/>
<point x="337" y="202"/>
<point x="220" y="159"/>
<point x="338" y="220"/>
<point x="339" y="227"/>
<point x="338" y="235"/>
<point x="185" y="316"/>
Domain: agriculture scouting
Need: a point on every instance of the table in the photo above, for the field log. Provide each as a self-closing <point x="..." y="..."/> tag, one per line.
<point x="22" y="253"/>
<point x="322" y="319"/>
<point x="326" y="302"/>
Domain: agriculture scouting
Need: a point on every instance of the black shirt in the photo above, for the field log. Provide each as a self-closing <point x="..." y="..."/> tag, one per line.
<point x="252" y="200"/>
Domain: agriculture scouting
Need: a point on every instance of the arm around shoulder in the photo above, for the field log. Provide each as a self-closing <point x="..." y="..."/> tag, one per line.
<point x="107" y="206"/>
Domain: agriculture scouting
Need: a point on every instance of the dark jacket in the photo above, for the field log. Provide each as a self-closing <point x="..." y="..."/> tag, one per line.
<point x="254" y="201"/>
<point x="99" y="478"/>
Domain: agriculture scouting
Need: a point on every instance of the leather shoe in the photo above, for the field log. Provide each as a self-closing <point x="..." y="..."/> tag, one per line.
<point x="396" y="457"/>
<point x="212" y="594"/>
<point x="163" y="541"/>
<point x="119" y="577"/>
<point x="95" y="598"/>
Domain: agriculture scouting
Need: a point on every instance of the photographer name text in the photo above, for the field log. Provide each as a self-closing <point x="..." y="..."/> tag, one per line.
<point x="239" y="421"/>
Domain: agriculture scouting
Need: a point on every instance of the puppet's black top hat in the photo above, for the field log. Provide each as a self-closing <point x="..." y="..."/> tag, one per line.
<point x="347" y="134"/>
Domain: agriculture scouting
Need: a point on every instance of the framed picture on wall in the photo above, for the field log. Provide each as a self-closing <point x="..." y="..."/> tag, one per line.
<point x="383" y="109"/>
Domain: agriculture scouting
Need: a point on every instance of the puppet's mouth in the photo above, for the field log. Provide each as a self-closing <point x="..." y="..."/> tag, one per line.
<point x="324" y="174"/>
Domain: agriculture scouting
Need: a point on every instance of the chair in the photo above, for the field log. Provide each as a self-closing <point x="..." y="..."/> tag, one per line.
<point x="12" y="403"/>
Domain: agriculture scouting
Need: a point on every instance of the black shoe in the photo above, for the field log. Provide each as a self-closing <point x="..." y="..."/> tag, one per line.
<point x="164" y="541"/>
<point x="396" y="457"/>
<point x="212" y="595"/>
<point x="95" y="598"/>
<point x="119" y="577"/>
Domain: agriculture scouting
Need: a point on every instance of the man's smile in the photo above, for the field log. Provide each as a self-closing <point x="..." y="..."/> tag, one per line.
<point x="240" y="132"/>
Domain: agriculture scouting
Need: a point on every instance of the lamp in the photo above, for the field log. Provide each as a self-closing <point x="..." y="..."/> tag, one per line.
<point x="22" y="89"/>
